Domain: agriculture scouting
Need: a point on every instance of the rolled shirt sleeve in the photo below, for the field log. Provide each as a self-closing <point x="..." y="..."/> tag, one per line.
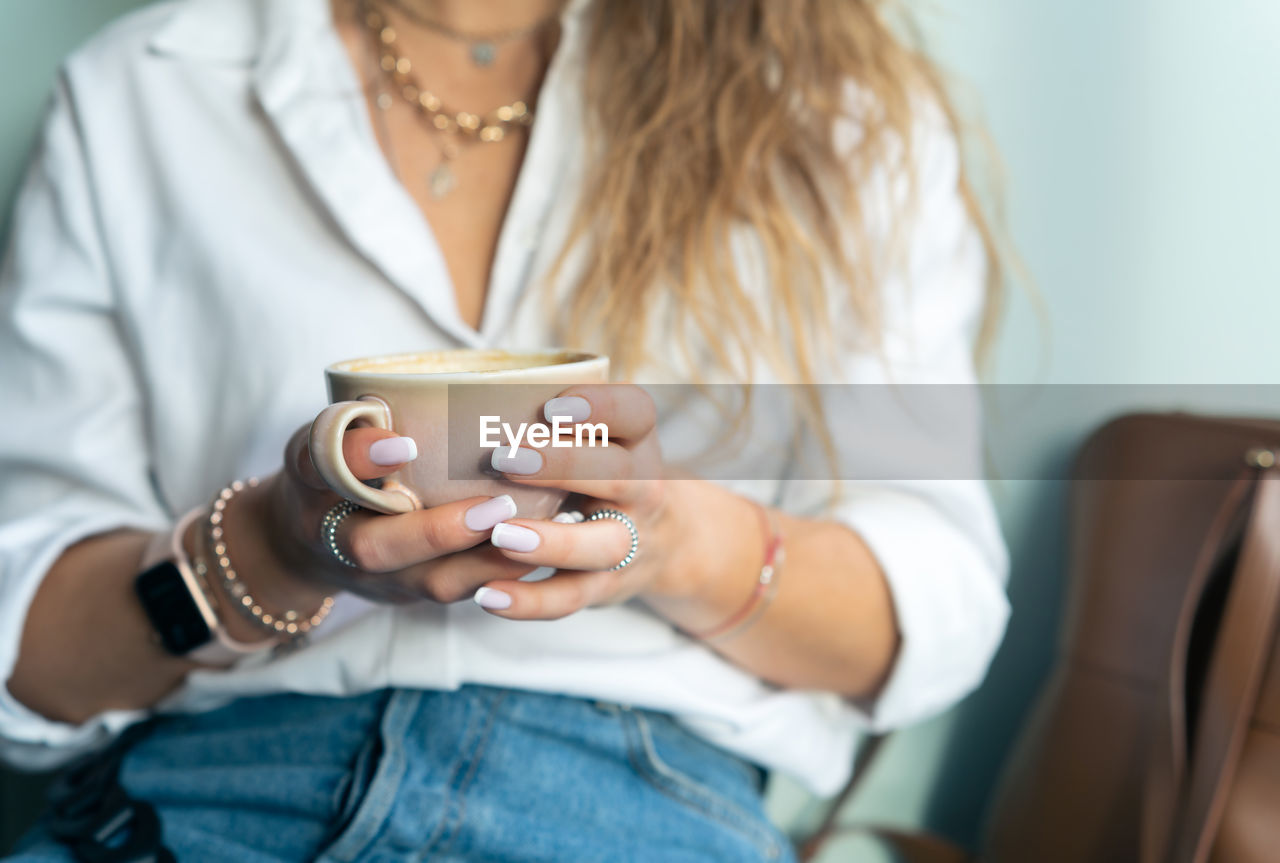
<point x="73" y="455"/>
<point x="913" y="488"/>
<point x="946" y="575"/>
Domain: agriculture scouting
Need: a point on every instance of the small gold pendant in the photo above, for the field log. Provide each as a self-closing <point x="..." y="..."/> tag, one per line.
<point x="441" y="181"/>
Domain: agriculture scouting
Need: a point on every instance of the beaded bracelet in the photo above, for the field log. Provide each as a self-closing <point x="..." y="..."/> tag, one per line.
<point x="766" y="585"/>
<point x="289" y="623"/>
<point x="222" y="647"/>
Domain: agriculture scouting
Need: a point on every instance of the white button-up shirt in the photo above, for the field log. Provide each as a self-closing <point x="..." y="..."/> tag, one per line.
<point x="209" y="221"/>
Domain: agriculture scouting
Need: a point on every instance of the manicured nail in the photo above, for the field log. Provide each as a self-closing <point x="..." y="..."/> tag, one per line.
<point x="513" y="537"/>
<point x="519" y="460"/>
<point x="487" y="597"/>
<point x="571" y="517"/>
<point x="540" y="574"/>
<point x="393" y="450"/>
<point x="575" y="408"/>
<point x="484" y="516"/>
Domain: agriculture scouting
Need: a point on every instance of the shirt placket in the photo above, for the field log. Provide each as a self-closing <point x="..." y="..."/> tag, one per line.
<point x="311" y="96"/>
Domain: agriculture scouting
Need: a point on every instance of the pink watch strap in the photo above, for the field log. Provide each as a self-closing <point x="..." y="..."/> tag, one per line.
<point x="222" y="649"/>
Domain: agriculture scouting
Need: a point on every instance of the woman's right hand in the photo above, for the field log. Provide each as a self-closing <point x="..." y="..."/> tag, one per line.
<point x="276" y="540"/>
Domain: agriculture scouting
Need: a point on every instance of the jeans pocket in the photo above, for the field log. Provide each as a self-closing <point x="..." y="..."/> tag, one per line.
<point x="364" y="799"/>
<point x="354" y="787"/>
<point x="667" y="758"/>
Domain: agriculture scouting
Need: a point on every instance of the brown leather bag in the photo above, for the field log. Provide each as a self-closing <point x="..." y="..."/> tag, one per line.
<point x="1157" y="738"/>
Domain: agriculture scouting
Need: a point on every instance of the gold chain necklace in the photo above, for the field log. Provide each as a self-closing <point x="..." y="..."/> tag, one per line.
<point x="463" y="126"/>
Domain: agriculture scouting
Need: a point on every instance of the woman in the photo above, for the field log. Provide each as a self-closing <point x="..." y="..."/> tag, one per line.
<point x="230" y="195"/>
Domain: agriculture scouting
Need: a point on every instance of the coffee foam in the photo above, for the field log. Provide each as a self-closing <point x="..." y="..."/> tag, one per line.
<point x="457" y="362"/>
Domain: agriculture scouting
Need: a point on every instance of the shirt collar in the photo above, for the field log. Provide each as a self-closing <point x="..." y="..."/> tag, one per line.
<point x="219" y="31"/>
<point x="309" y="94"/>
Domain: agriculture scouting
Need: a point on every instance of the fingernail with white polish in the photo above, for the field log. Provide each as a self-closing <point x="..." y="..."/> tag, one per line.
<point x="513" y="537"/>
<point x="571" y="517"/>
<point x="519" y="460"/>
<point x="540" y="574"/>
<point x="393" y="450"/>
<point x="484" y="516"/>
<point x="488" y="597"/>
<point x="575" y="408"/>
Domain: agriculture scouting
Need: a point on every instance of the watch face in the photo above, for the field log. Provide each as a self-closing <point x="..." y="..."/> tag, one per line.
<point x="173" y="612"/>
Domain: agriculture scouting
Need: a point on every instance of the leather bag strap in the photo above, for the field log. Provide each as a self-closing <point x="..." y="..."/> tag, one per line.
<point x="909" y="846"/>
<point x="1235" y="675"/>
<point x="922" y="847"/>
<point x="1166" y="764"/>
<point x="810" y="846"/>
<point x="1184" y="797"/>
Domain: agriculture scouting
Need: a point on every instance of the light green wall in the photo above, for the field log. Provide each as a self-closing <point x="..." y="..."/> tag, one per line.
<point x="1140" y="141"/>
<point x="34" y="37"/>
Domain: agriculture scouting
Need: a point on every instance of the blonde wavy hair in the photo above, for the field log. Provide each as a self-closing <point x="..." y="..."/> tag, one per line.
<point x="709" y="115"/>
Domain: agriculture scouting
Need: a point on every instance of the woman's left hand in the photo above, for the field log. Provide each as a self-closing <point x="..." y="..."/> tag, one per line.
<point x="626" y="475"/>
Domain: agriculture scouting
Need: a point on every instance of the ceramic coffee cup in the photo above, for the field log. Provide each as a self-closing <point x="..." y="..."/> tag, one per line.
<point x="426" y="395"/>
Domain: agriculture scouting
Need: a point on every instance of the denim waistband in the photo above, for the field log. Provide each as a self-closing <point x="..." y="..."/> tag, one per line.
<point x="479" y="773"/>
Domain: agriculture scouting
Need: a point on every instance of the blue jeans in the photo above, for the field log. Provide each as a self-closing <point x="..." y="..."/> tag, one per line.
<point x="477" y="774"/>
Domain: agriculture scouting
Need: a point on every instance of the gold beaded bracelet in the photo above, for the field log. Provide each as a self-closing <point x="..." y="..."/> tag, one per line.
<point x="291" y="624"/>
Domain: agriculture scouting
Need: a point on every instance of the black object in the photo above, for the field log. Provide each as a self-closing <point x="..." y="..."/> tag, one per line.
<point x="91" y="813"/>
<point x="173" y="612"/>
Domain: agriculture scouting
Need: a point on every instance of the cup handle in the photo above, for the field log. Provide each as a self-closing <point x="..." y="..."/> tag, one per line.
<point x="326" y="454"/>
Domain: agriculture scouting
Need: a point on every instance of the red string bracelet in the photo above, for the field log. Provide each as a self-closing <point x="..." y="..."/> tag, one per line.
<point x="765" y="589"/>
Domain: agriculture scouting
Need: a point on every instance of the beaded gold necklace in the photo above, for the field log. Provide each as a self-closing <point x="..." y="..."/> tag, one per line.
<point x="461" y="127"/>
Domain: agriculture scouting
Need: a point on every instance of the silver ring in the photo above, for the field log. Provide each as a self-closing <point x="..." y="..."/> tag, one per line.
<point x="626" y="522"/>
<point x="329" y="529"/>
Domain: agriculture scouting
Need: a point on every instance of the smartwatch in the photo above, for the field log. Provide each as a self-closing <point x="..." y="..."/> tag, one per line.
<point x="179" y="607"/>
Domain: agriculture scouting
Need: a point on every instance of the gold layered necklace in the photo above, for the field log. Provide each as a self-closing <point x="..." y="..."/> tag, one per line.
<point x="451" y="129"/>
